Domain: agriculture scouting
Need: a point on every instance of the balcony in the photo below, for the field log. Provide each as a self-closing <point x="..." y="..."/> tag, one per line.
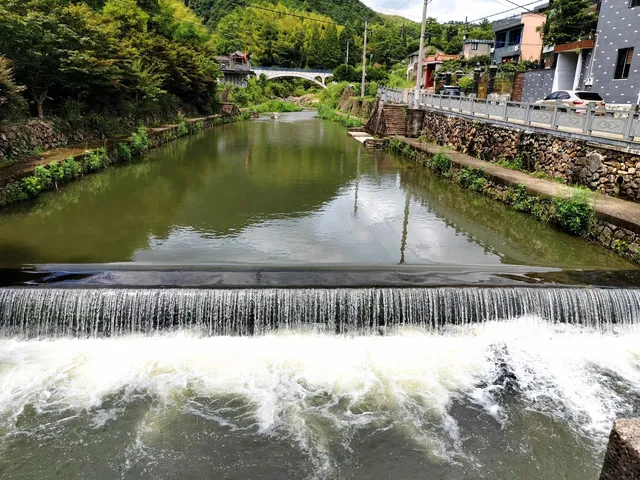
<point x="506" y="23"/>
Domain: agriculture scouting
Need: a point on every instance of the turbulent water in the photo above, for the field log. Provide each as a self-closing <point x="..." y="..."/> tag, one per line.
<point x="441" y="383"/>
<point x="521" y="398"/>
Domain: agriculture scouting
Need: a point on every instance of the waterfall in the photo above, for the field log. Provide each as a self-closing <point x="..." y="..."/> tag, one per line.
<point x="84" y="312"/>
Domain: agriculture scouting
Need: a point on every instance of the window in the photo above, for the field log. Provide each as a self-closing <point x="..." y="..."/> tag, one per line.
<point x="501" y="39"/>
<point x="553" y="96"/>
<point x="589" y="96"/>
<point x="634" y="3"/>
<point x="515" y="36"/>
<point x="563" y="96"/>
<point x="623" y="65"/>
<point x="474" y="46"/>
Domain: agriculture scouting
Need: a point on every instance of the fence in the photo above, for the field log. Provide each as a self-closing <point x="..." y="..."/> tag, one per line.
<point x="625" y="124"/>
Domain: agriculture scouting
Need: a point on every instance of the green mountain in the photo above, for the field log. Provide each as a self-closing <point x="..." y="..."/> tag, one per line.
<point x="340" y="11"/>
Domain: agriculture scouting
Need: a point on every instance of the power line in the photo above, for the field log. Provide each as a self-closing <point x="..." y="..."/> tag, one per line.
<point x="285" y="13"/>
<point x="504" y="11"/>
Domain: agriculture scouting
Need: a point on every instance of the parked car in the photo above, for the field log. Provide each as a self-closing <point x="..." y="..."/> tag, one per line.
<point x="449" y="90"/>
<point x="575" y="100"/>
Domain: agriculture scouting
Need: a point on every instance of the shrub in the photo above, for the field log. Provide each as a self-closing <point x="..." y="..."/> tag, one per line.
<point x="472" y="179"/>
<point x="183" y="130"/>
<point x="466" y="84"/>
<point x="441" y="163"/>
<point x="124" y="152"/>
<point x="139" y="141"/>
<point x="328" y="113"/>
<point x="575" y="213"/>
<point x="71" y="169"/>
<point x="621" y="247"/>
<point x="44" y="177"/>
<point x="96" y="160"/>
<point x="513" y="164"/>
<point x="14" y="192"/>
<point x="57" y="173"/>
<point x="31" y="185"/>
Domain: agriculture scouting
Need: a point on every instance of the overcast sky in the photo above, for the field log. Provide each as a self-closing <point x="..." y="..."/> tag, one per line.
<point x="445" y="10"/>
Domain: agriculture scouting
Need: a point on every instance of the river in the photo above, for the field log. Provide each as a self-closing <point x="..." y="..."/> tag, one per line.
<point x="297" y="190"/>
<point x="448" y="383"/>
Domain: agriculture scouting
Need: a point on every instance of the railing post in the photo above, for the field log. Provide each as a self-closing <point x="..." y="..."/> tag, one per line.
<point x="585" y="127"/>
<point x="554" y="117"/>
<point x="589" y="123"/>
<point x="449" y="103"/>
<point x="486" y="108"/>
<point x="504" y="112"/>
<point x="527" y="114"/>
<point x="628" y="127"/>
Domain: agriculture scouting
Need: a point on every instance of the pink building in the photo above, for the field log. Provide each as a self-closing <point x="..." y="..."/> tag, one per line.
<point x="519" y="37"/>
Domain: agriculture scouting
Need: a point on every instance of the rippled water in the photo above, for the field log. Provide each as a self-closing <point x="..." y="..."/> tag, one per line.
<point x="298" y="190"/>
<point x="518" y="399"/>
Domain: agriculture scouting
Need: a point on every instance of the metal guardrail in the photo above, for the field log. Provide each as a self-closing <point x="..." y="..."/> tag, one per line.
<point x="607" y="122"/>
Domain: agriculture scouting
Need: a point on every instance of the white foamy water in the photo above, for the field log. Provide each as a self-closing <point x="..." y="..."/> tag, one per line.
<point x="294" y="382"/>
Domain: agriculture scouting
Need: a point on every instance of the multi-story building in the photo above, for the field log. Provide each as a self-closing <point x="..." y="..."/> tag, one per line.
<point x="519" y="37"/>
<point x="615" y="64"/>
<point x="476" y="48"/>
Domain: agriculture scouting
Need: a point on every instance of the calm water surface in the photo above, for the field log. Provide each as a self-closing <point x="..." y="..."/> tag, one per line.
<point x="297" y="190"/>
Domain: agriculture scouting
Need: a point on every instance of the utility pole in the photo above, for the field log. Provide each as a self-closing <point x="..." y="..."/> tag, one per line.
<point x="416" y="102"/>
<point x="346" y="64"/>
<point x="364" y="60"/>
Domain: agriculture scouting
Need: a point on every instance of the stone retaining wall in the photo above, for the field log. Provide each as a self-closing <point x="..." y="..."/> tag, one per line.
<point x="597" y="166"/>
<point x="619" y="238"/>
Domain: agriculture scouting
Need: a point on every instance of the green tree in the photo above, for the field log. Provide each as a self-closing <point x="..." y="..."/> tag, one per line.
<point x="12" y="104"/>
<point x="569" y="21"/>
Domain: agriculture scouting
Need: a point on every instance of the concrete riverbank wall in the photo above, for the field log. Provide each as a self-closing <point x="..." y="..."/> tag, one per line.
<point x="601" y="166"/>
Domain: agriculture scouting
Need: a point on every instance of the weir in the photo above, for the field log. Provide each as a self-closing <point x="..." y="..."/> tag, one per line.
<point x="97" y="312"/>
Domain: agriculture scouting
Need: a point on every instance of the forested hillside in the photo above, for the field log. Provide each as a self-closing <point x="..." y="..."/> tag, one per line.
<point x="118" y="57"/>
<point x="340" y="11"/>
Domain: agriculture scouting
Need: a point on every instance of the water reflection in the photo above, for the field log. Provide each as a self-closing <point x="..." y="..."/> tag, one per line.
<point x="298" y="190"/>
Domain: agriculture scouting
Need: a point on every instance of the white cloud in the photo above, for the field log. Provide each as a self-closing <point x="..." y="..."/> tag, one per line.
<point x="446" y="10"/>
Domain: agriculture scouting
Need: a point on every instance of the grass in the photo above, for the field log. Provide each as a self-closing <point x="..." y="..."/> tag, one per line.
<point x="275" y="106"/>
<point x="348" y="121"/>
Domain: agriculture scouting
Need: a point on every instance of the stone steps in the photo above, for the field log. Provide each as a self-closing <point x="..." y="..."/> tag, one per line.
<point x="395" y="117"/>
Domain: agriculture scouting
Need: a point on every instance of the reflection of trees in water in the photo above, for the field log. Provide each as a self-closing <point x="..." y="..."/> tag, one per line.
<point x="203" y="181"/>
<point x="516" y="237"/>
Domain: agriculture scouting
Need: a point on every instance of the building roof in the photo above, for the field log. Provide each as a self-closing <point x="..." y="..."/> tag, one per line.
<point x="488" y="42"/>
<point x="440" y="57"/>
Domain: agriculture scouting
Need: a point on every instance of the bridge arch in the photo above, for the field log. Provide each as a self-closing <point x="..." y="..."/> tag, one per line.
<point x="319" y="77"/>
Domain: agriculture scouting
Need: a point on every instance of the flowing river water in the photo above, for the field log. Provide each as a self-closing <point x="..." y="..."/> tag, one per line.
<point x="442" y="383"/>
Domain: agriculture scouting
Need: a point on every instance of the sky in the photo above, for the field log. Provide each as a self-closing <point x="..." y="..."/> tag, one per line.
<point x="445" y="10"/>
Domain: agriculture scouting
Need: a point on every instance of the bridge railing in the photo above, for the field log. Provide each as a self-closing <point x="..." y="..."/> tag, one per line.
<point x="298" y="70"/>
<point x="602" y="122"/>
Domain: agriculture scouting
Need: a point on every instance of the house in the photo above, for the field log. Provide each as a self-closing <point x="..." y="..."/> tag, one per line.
<point x="412" y="61"/>
<point x="433" y="63"/>
<point x="476" y="48"/>
<point x="572" y="65"/>
<point x="236" y="68"/>
<point x="518" y="37"/>
<point x="412" y="64"/>
<point x="615" y="66"/>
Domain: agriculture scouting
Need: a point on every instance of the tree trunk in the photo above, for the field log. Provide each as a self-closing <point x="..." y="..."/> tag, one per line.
<point x="40" y="102"/>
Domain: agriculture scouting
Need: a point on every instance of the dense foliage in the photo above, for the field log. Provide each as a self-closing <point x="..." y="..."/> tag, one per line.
<point x="568" y="21"/>
<point x="340" y="11"/>
<point x="122" y="57"/>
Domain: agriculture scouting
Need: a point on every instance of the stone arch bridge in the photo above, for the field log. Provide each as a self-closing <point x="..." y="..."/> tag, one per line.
<point x="317" y="76"/>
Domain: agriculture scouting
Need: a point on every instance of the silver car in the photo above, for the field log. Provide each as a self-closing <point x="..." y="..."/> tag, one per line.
<point x="575" y="100"/>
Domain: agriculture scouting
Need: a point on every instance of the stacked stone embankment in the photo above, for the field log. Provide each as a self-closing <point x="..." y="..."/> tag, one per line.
<point x="604" y="168"/>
